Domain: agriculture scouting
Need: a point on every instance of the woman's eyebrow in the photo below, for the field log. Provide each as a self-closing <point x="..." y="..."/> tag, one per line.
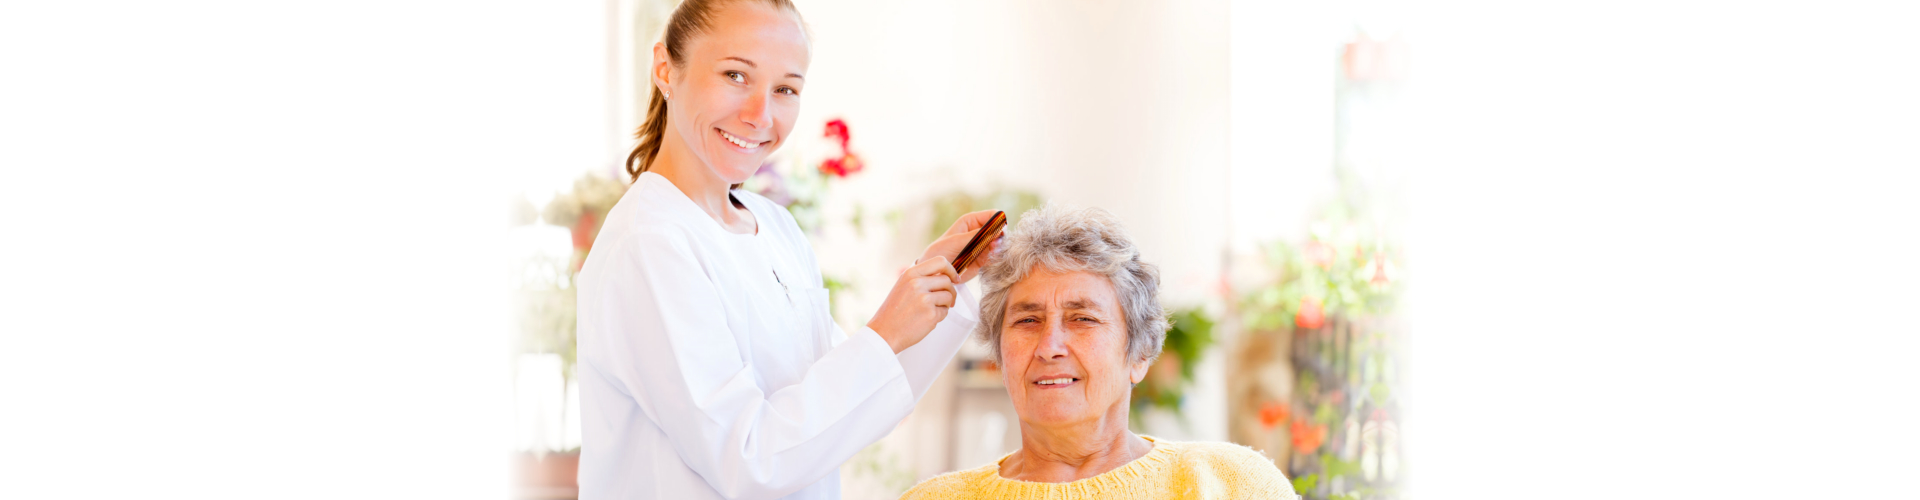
<point x="750" y="64"/>
<point x="1081" y="304"/>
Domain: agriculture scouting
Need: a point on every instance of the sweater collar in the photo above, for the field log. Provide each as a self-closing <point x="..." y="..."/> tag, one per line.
<point x="1140" y="468"/>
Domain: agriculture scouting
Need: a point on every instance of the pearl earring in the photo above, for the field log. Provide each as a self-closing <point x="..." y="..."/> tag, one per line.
<point x="665" y="95"/>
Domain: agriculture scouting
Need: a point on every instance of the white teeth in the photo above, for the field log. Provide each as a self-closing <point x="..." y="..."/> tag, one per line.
<point x="737" y="141"/>
<point x="1056" y="381"/>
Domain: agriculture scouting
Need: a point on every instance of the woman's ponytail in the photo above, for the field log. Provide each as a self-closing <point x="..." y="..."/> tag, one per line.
<point x="650" y="134"/>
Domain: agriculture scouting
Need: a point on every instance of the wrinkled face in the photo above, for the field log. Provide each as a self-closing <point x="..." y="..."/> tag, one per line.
<point x="734" y="100"/>
<point x="1064" y="346"/>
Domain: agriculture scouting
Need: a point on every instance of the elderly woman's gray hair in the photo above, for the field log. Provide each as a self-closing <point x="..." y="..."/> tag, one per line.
<point x="1064" y="240"/>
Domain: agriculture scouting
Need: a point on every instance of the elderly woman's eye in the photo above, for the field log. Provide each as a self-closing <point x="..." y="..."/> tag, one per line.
<point x="736" y="76"/>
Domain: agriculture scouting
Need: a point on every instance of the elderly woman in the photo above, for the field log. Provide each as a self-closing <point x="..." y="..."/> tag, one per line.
<point x="1073" y="317"/>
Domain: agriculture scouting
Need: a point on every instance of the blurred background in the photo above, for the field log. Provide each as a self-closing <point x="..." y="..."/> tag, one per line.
<point x="1254" y="157"/>
<point x="1463" y="249"/>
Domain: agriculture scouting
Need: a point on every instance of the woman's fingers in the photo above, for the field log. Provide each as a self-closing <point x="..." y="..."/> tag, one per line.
<point x="948" y="247"/>
<point x="933" y="283"/>
<point x="939" y="298"/>
<point x="942" y="267"/>
<point x="935" y="265"/>
<point x="935" y="286"/>
<point x="985" y="259"/>
<point x="920" y="299"/>
<point x="971" y="221"/>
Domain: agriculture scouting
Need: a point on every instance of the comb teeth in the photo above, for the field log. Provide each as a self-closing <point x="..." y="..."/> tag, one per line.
<point x="977" y="245"/>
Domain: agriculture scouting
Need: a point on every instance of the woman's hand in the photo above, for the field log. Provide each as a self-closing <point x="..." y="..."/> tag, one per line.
<point x="924" y="293"/>
<point x="918" y="301"/>
<point x="949" y="245"/>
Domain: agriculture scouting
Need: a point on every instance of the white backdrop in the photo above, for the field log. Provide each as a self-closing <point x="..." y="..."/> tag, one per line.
<point x="1661" y="247"/>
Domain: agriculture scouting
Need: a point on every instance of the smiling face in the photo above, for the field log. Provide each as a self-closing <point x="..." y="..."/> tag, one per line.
<point x="1064" y="344"/>
<point x="733" y="98"/>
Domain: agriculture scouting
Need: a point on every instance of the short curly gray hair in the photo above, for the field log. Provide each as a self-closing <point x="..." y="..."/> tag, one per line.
<point x="1065" y="239"/>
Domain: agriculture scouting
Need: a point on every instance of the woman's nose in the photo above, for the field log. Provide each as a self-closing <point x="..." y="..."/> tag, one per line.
<point x="1053" y="343"/>
<point x="755" y="112"/>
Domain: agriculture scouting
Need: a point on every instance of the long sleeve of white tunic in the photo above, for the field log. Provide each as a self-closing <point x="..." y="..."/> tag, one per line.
<point x="710" y="367"/>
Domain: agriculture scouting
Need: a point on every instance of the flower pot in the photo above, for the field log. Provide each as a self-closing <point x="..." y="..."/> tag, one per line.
<point x="546" y="476"/>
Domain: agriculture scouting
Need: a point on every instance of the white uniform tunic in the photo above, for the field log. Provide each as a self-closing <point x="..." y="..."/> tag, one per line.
<point x="710" y="368"/>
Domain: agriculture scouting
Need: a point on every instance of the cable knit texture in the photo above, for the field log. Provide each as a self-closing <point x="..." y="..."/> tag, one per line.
<point x="1183" y="470"/>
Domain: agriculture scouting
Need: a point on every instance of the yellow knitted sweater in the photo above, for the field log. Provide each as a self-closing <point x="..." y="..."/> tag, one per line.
<point x="1184" y="470"/>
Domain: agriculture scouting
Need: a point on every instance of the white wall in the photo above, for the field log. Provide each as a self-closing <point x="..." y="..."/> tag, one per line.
<point x="1667" y="241"/>
<point x="1120" y="105"/>
<point x="1284" y="57"/>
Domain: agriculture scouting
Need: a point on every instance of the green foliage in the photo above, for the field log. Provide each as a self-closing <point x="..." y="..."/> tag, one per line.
<point x="544" y="289"/>
<point x="1324" y="413"/>
<point x="591" y="194"/>
<point x="1191" y="333"/>
<point x="886" y="469"/>
<point x="951" y="206"/>
<point x="1306" y="482"/>
<point x="1336" y="467"/>
<point x="835" y="286"/>
<point x="1346" y="264"/>
<point x="1188" y="338"/>
<point x="545" y="318"/>
<point x="1333" y="467"/>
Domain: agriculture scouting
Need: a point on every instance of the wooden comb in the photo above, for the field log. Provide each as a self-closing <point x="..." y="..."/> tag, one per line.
<point x="977" y="247"/>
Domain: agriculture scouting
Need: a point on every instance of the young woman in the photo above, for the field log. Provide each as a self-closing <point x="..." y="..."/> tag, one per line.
<point x="709" y="367"/>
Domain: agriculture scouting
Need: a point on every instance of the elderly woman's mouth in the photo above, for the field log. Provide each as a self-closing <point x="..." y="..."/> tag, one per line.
<point x="1057" y="381"/>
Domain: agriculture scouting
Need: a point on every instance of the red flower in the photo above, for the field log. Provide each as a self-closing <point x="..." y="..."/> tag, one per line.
<point x="851" y="164"/>
<point x="1379" y="270"/>
<point x="1307" y="437"/>
<point x="837" y="129"/>
<point x="1310" y="315"/>
<point x="847" y="163"/>
<point x="1272" y="414"/>
<point x="842" y="166"/>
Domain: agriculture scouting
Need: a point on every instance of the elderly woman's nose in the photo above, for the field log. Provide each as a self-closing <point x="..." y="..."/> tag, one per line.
<point x="755" y="111"/>
<point x="1053" y="342"/>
